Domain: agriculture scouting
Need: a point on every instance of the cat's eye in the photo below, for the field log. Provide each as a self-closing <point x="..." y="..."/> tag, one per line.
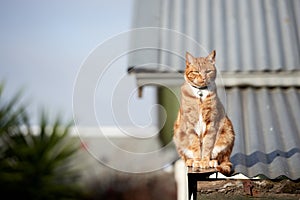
<point x="208" y="71"/>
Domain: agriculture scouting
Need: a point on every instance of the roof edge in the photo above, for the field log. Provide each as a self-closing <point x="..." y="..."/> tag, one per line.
<point x="229" y="79"/>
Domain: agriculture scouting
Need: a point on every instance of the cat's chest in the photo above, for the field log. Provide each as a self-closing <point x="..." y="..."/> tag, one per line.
<point x="200" y="126"/>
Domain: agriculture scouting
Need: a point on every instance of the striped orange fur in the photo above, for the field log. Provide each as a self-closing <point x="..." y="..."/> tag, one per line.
<point x="203" y="133"/>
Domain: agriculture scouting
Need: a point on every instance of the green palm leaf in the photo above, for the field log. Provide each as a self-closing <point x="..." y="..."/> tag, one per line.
<point x="35" y="164"/>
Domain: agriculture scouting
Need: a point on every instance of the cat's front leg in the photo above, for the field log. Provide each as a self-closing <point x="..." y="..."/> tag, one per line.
<point x="208" y="142"/>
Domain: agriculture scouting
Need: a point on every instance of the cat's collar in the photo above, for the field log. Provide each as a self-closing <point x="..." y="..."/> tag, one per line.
<point x="200" y="92"/>
<point x="200" y="88"/>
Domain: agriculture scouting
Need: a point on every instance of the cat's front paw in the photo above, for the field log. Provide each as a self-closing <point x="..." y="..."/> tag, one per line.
<point x="213" y="163"/>
<point x="189" y="162"/>
<point x="196" y="164"/>
<point x="203" y="164"/>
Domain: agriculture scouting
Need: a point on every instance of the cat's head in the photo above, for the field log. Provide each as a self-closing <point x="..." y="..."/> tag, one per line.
<point x="201" y="71"/>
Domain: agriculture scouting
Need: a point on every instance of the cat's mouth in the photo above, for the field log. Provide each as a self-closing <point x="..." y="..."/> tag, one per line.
<point x="199" y="85"/>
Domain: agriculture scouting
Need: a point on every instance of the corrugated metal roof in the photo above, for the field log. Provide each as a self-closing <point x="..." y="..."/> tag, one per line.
<point x="267" y="127"/>
<point x="248" y="35"/>
<point x="256" y="35"/>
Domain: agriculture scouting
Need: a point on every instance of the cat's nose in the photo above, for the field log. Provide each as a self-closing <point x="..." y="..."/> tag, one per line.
<point x="203" y="75"/>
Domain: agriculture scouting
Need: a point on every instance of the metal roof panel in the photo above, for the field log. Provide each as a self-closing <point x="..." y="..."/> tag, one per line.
<point x="267" y="131"/>
<point x="247" y="35"/>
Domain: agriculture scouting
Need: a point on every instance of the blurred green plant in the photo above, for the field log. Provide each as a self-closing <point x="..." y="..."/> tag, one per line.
<point x="35" y="162"/>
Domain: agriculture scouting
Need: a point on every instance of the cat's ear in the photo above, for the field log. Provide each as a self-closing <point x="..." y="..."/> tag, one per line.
<point x="212" y="57"/>
<point x="189" y="58"/>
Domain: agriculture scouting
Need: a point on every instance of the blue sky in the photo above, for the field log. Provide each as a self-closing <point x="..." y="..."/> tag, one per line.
<point x="43" y="44"/>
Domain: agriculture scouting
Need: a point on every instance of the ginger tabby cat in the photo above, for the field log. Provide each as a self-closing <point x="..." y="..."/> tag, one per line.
<point x="203" y="134"/>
